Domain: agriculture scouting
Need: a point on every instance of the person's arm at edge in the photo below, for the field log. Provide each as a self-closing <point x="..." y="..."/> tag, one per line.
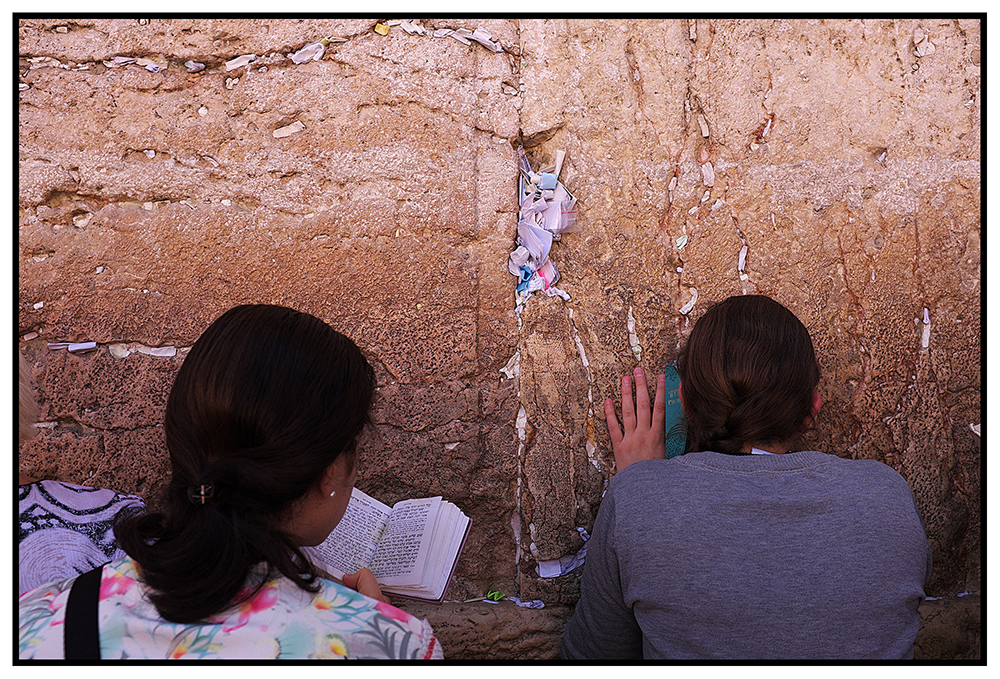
<point x="602" y="627"/>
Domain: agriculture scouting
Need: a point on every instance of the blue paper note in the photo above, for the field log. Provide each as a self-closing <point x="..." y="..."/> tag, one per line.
<point x="676" y="424"/>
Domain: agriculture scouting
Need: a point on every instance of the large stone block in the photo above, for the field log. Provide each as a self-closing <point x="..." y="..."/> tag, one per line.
<point x="950" y="628"/>
<point x="501" y="631"/>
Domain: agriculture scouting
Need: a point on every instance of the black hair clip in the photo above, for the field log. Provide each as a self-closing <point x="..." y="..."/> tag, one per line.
<point x="198" y="494"/>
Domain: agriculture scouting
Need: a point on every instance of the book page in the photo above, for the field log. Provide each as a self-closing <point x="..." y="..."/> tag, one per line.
<point x="400" y="557"/>
<point x="451" y="545"/>
<point x="351" y="545"/>
<point x="447" y="538"/>
<point x="438" y="557"/>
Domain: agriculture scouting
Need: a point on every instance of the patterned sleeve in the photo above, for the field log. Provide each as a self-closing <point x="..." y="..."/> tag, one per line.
<point x="41" y="613"/>
<point x="430" y="648"/>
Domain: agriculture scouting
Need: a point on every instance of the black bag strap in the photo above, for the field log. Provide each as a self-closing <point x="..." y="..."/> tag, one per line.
<point x="81" y="638"/>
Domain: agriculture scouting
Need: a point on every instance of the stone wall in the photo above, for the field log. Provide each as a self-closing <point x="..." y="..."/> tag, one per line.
<point x="846" y="185"/>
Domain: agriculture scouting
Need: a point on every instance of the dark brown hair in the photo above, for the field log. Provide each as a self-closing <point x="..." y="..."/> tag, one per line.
<point x="266" y="400"/>
<point x="747" y="372"/>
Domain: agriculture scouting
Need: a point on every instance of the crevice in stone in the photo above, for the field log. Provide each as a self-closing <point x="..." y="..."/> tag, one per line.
<point x="521" y="420"/>
<point x="538" y="138"/>
<point x="590" y="445"/>
<point x="859" y="335"/>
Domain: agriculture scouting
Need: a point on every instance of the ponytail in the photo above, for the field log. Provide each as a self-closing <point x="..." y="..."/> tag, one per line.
<point x="266" y="400"/>
<point x="201" y="558"/>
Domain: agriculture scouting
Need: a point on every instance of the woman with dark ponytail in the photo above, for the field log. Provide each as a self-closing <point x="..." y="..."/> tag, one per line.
<point x="743" y="548"/>
<point x="261" y="425"/>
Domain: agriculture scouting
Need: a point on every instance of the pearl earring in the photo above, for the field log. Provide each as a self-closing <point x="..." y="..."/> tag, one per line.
<point x="332" y="493"/>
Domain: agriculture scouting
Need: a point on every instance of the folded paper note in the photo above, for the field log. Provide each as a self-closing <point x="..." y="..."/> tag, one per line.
<point x="555" y="567"/>
<point x="239" y="62"/>
<point x="314" y="51"/>
<point x="463" y="35"/>
<point x="74" y="347"/>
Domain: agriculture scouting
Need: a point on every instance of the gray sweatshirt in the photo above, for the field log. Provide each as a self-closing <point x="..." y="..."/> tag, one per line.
<point x="705" y="555"/>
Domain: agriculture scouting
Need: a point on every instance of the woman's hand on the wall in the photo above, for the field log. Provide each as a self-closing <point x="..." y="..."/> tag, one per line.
<point x="642" y="438"/>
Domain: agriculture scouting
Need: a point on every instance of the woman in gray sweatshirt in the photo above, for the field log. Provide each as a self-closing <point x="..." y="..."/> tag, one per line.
<point x="742" y="548"/>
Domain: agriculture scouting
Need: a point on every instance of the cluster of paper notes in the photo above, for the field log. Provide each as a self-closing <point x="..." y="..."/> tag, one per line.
<point x="463" y="35"/>
<point x="547" y="210"/>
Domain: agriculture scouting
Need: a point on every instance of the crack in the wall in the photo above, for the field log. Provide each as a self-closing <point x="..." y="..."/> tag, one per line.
<point x="680" y="241"/>
<point x="590" y="445"/>
<point x="67" y="424"/>
<point x="295" y="53"/>
<point x="261" y="64"/>
<point x="94" y="204"/>
<point x="523" y="426"/>
<point x="209" y="64"/>
<point x="513" y="368"/>
<point x="633" y="338"/>
<point x="540" y="137"/>
<point x="924" y="323"/>
<point x="640" y="93"/>
<point x="924" y="363"/>
<point x="859" y="333"/>
<point x="741" y="258"/>
<point x="118" y="350"/>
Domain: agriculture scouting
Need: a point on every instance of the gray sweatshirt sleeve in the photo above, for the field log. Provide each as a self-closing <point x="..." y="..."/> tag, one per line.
<point x="602" y="625"/>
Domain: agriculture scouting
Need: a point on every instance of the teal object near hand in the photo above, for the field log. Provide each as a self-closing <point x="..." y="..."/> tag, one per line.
<point x="676" y="425"/>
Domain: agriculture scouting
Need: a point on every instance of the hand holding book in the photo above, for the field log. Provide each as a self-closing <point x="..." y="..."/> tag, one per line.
<point x="363" y="581"/>
<point x="411" y="548"/>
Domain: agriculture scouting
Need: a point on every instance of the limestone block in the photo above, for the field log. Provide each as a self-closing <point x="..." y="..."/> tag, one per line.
<point x="100" y="392"/>
<point x="451" y="439"/>
<point x="63" y="455"/>
<point x="559" y="478"/>
<point x="129" y="461"/>
<point x="501" y="631"/>
<point x="950" y="628"/>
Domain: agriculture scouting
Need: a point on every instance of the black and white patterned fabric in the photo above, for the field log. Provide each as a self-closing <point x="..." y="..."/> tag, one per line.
<point x="65" y="530"/>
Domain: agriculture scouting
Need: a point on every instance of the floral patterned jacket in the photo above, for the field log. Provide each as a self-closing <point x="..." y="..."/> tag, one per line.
<point x="280" y="621"/>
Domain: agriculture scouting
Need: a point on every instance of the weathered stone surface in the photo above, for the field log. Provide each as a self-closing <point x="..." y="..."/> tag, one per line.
<point x="560" y="483"/>
<point x="847" y="167"/>
<point x="950" y="628"/>
<point x="100" y="392"/>
<point x="64" y="455"/>
<point x="502" y="631"/>
<point x="856" y="243"/>
<point x="167" y="200"/>
<point x="129" y="460"/>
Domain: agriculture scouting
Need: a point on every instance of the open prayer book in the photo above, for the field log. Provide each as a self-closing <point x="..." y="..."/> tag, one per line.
<point x="411" y="548"/>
